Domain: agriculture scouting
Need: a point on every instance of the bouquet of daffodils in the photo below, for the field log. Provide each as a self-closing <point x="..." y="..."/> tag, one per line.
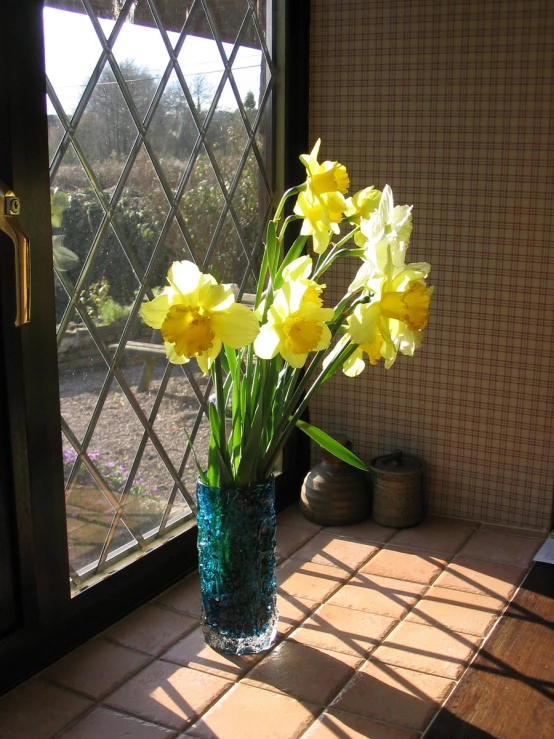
<point x="266" y="364"/>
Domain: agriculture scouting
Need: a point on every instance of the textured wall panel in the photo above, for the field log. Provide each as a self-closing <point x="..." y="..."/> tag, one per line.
<point x="452" y="104"/>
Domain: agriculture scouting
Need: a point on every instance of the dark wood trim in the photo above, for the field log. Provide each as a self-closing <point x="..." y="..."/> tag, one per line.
<point x="297" y="53"/>
<point x="296" y="456"/>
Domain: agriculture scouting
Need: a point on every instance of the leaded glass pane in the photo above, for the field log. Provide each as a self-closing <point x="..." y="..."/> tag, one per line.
<point x="160" y="143"/>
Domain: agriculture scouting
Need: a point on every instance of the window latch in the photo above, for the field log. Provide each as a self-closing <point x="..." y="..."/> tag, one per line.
<point x="10" y="207"/>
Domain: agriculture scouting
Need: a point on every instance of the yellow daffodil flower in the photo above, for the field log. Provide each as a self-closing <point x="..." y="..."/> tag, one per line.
<point x="327" y="177"/>
<point x="394" y="321"/>
<point x="361" y="205"/>
<point x="296" y="325"/>
<point x="321" y="214"/>
<point x="322" y="203"/>
<point x="196" y="316"/>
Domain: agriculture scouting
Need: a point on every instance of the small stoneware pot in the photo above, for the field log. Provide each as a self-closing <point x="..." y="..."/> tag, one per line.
<point x="334" y="493"/>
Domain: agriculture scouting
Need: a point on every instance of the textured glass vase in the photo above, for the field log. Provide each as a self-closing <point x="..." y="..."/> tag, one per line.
<point x="236" y="563"/>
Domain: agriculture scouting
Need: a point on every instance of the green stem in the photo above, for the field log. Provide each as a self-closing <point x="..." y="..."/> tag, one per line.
<point x="324" y="375"/>
<point x="286" y="196"/>
<point x="333" y="254"/>
<point x="286" y="222"/>
<point x="220" y="405"/>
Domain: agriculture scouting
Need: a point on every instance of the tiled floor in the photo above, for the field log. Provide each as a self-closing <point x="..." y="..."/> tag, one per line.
<point x="376" y="626"/>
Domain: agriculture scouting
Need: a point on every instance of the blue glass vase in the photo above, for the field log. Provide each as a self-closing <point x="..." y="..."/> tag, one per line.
<point x="236" y="563"/>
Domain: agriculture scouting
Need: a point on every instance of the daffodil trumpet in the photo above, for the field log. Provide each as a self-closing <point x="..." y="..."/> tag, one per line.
<point x="266" y="364"/>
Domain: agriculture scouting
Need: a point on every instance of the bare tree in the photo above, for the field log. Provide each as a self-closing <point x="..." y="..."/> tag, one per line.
<point x="202" y="91"/>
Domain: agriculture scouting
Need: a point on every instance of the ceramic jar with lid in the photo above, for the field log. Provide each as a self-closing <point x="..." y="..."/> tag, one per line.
<point x="397" y="489"/>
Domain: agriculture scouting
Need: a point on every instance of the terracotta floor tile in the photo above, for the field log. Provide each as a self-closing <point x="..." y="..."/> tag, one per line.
<point x="251" y="713"/>
<point x="343" y="630"/>
<point x="481" y="576"/>
<point x="292" y="610"/>
<point x="185" y="596"/>
<point x="292" y="516"/>
<point x="500" y="547"/>
<point x="433" y="535"/>
<point x="303" y="672"/>
<point x="192" y="651"/>
<point x="289" y="539"/>
<point x="382" y="595"/>
<point x="467" y="613"/>
<point x="96" y="668"/>
<point x="333" y="724"/>
<point x="106" y="724"/>
<point x="427" y="649"/>
<point x="367" y="530"/>
<point x="310" y="581"/>
<point x="405" y="564"/>
<point x="333" y="551"/>
<point x="39" y="710"/>
<point x="167" y="694"/>
<point x="151" y="629"/>
<point x="394" y="695"/>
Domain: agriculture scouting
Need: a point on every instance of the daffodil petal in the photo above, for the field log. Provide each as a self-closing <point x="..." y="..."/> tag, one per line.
<point x="266" y="343"/>
<point x="321" y="240"/>
<point x="295" y="360"/>
<point x="354" y="365"/>
<point x="237" y="326"/>
<point x="154" y="311"/>
<point x="325" y="339"/>
<point x="172" y="355"/>
<point x="205" y="360"/>
<point x="298" y="269"/>
<point x="216" y="297"/>
<point x="184" y="276"/>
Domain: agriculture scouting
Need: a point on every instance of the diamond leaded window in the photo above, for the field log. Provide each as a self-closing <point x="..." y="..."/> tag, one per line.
<point x="160" y="139"/>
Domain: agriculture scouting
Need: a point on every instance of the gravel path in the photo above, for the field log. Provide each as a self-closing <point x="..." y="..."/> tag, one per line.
<point x="118" y="433"/>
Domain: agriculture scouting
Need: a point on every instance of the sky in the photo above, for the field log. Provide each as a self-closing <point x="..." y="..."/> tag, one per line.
<point x="72" y="49"/>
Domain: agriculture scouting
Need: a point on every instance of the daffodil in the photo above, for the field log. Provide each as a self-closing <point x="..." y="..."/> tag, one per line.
<point x="394" y="321"/>
<point x="296" y="325"/>
<point x="388" y="226"/>
<point x="326" y="177"/>
<point x="196" y="316"/>
<point x="300" y="269"/>
<point x="322" y="215"/>
<point x="322" y="203"/>
<point x="361" y="205"/>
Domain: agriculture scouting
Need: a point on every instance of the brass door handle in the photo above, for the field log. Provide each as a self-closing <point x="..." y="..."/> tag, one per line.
<point x="10" y="207"/>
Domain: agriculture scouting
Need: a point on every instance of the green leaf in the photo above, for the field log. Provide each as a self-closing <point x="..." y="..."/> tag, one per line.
<point x="213" y="452"/>
<point x="331" y="445"/>
<point x="261" y="279"/>
<point x="354" y="252"/>
<point x="293" y="253"/>
<point x="251" y="450"/>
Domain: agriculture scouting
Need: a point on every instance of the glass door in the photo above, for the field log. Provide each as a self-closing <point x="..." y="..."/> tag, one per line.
<point x="148" y="137"/>
<point x="160" y="149"/>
